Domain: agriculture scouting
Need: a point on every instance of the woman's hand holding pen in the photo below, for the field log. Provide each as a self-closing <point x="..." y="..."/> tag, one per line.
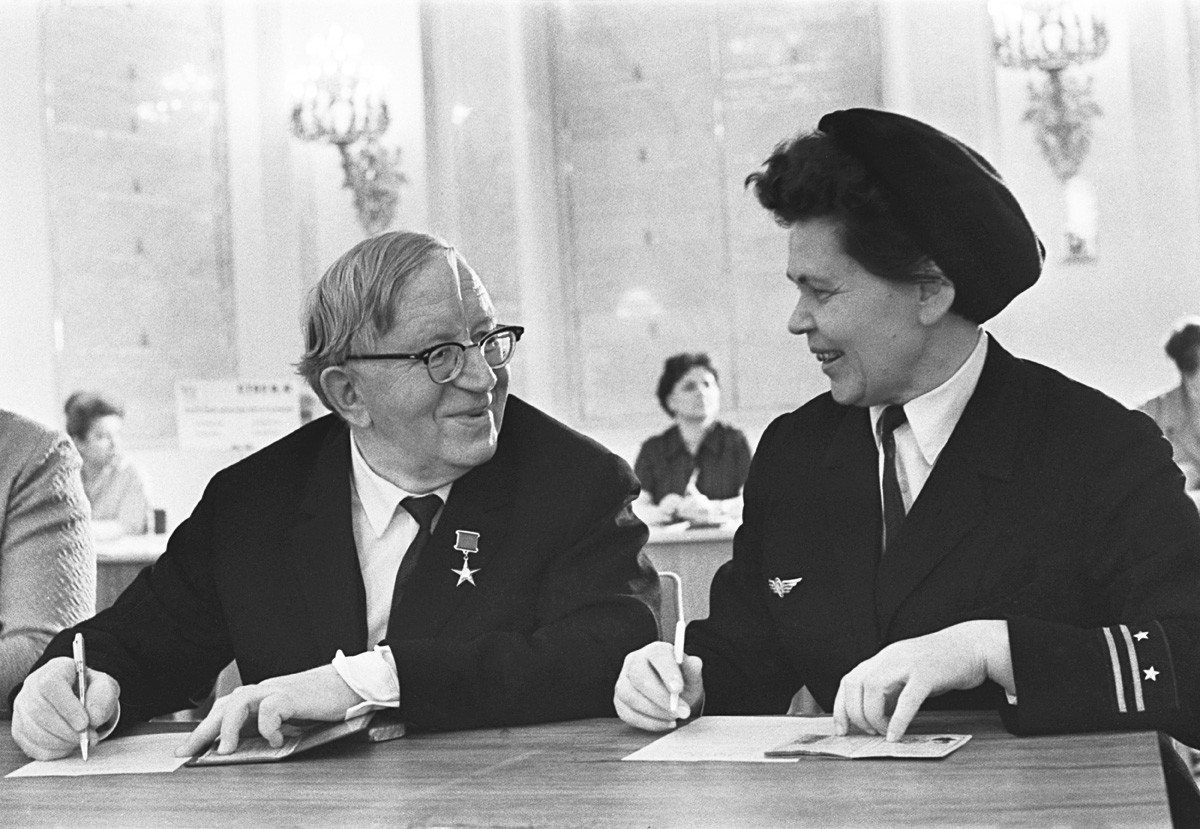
<point x="648" y="678"/>
<point x="48" y="718"/>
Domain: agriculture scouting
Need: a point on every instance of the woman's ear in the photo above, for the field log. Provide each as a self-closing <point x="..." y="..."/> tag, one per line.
<point x="936" y="296"/>
<point x="340" y="385"/>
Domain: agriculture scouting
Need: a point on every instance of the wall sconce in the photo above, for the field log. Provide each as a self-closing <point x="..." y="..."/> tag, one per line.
<point x="340" y="101"/>
<point x="1052" y="36"/>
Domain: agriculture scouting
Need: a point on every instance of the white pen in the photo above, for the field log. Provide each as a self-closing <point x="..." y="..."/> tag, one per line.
<point x="680" y="627"/>
<point x="81" y="675"/>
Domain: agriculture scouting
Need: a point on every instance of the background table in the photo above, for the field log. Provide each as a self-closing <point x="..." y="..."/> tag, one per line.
<point x="570" y="774"/>
<point x="119" y="560"/>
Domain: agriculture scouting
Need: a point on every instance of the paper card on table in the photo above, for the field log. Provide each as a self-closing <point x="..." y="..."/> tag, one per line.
<point x="732" y="739"/>
<point x="863" y="746"/>
<point x="137" y="754"/>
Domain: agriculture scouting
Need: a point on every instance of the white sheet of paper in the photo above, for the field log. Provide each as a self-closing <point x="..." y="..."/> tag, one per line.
<point x="140" y="754"/>
<point x="731" y="739"/>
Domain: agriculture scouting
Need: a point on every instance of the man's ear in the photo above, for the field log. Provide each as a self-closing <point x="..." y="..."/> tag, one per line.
<point x="341" y="389"/>
<point x="936" y="295"/>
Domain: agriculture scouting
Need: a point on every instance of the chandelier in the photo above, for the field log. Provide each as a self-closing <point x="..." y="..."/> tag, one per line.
<point x="1052" y="37"/>
<point x="339" y="100"/>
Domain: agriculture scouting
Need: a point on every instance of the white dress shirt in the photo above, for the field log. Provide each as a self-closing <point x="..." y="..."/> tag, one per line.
<point x="383" y="530"/>
<point x="931" y="419"/>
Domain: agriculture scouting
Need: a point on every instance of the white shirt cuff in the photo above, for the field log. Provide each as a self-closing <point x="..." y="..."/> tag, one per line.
<point x="373" y="676"/>
<point x="1012" y="698"/>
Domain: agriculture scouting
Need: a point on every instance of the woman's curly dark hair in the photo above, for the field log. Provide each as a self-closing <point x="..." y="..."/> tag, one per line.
<point x="809" y="177"/>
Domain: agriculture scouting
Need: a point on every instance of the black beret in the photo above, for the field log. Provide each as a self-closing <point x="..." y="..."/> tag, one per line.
<point x="950" y="200"/>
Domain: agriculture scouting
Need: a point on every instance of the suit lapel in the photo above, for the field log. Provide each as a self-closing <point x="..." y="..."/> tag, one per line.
<point x="852" y="508"/>
<point x="324" y="557"/>
<point x="953" y="501"/>
<point x="479" y="503"/>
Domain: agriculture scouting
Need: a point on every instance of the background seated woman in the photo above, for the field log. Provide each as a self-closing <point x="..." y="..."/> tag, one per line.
<point x="114" y="486"/>
<point x="693" y="471"/>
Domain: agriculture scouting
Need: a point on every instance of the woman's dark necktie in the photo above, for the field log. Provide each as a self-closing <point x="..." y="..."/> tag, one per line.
<point x="893" y="502"/>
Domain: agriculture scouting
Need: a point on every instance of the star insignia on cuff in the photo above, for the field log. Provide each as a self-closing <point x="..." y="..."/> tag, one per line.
<point x="1141" y="635"/>
<point x="1151" y="673"/>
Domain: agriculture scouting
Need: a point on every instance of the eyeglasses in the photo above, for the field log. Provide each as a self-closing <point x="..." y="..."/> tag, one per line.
<point x="445" y="361"/>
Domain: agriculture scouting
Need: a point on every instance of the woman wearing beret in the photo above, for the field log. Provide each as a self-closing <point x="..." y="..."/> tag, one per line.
<point x="693" y="471"/>
<point x="1177" y="412"/>
<point x="950" y="525"/>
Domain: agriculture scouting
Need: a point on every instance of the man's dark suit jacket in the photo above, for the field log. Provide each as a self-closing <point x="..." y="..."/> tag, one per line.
<point x="1051" y="506"/>
<point x="266" y="570"/>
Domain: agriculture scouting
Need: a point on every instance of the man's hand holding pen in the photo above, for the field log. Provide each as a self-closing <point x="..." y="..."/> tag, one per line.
<point x="49" y="721"/>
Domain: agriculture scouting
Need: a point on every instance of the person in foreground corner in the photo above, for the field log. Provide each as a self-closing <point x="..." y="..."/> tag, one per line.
<point x="522" y="590"/>
<point x="950" y="525"/>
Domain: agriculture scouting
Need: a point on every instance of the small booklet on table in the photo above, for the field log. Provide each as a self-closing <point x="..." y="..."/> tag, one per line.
<point x="863" y="746"/>
<point x="301" y="736"/>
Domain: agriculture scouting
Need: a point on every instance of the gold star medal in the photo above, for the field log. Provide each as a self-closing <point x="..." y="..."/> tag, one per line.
<point x="466" y="542"/>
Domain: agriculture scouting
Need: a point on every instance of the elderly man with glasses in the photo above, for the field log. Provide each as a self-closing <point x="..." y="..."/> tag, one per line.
<point x="436" y="546"/>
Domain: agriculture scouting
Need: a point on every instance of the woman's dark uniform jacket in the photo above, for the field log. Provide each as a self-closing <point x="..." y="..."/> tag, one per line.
<point x="1051" y="506"/>
<point x="266" y="570"/>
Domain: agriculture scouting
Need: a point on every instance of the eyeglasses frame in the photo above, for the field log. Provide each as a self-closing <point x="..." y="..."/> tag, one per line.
<point x="425" y="354"/>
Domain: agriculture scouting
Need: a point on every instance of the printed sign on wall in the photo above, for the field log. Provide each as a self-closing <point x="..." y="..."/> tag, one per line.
<point x="235" y="414"/>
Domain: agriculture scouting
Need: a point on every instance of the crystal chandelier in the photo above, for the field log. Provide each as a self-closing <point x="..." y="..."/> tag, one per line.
<point x="339" y="100"/>
<point x="1051" y="37"/>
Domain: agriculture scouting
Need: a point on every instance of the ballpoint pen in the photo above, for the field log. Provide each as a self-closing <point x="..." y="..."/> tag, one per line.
<point x="81" y="675"/>
<point x="680" y="627"/>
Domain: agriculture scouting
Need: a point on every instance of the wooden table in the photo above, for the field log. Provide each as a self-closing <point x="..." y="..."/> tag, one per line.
<point x="570" y="774"/>
<point x="695" y="555"/>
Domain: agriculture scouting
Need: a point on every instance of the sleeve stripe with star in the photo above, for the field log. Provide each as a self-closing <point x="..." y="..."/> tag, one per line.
<point x="1116" y="666"/>
<point x="1135" y="670"/>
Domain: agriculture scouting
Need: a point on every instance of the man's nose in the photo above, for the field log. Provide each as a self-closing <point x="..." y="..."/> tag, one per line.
<point x="476" y="375"/>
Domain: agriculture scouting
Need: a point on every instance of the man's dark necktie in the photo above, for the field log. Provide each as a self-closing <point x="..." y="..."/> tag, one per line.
<point x="423" y="509"/>
<point x="893" y="502"/>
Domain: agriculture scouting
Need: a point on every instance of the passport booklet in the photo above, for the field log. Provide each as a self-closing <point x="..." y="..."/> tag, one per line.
<point x="301" y="736"/>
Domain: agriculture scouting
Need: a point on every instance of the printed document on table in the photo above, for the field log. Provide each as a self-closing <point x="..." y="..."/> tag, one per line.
<point x="140" y="754"/>
<point x="732" y="739"/>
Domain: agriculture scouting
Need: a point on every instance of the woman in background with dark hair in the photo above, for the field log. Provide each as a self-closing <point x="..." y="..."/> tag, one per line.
<point x="114" y="486"/>
<point x="1177" y="412"/>
<point x="693" y="471"/>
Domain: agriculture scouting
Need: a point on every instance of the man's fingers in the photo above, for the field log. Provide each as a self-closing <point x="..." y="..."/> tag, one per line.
<point x="907" y="706"/>
<point x="42" y="744"/>
<point x="60" y="697"/>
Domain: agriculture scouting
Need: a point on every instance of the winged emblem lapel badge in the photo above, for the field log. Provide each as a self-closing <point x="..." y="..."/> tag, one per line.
<point x="781" y="587"/>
